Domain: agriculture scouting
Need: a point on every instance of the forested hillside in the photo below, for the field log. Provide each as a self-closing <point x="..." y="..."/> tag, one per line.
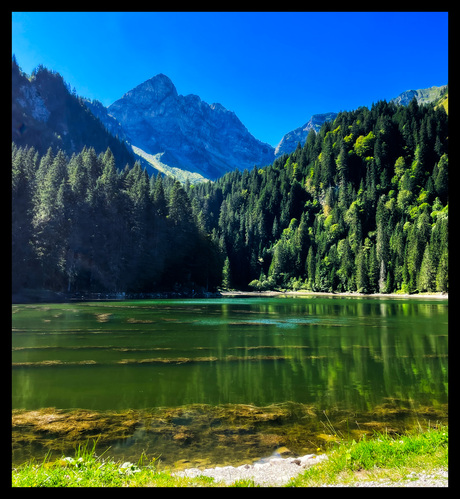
<point x="79" y="225"/>
<point x="45" y="113"/>
<point x="361" y="206"/>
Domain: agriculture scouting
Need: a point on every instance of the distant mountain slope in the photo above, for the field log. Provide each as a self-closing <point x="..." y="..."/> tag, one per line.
<point x="45" y="114"/>
<point x="423" y="95"/>
<point x="185" y="132"/>
<point x="289" y="142"/>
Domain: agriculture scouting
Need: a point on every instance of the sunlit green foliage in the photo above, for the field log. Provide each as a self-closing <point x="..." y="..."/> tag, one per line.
<point x="353" y="209"/>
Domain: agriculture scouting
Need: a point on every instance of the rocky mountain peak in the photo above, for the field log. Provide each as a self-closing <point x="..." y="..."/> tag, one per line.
<point x="186" y="132"/>
<point x="153" y="96"/>
<point x="160" y="85"/>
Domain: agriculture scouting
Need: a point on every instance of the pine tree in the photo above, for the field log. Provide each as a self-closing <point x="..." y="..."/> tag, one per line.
<point x="342" y="166"/>
<point x="180" y="208"/>
<point x="226" y="279"/>
<point x="24" y="166"/>
<point x="427" y="275"/>
<point x="441" y="181"/>
<point x="310" y="268"/>
<point x="327" y="163"/>
<point x="373" y="273"/>
<point x="442" y="275"/>
<point x="345" y="272"/>
<point x="158" y="197"/>
<point x="107" y="183"/>
<point x="362" y="278"/>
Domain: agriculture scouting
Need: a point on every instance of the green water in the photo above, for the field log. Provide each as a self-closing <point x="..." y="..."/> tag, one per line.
<point x="326" y="353"/>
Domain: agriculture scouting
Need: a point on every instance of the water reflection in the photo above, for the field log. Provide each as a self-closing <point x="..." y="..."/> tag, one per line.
<point x="148" y="354"/>
<point x="356" y="357"/>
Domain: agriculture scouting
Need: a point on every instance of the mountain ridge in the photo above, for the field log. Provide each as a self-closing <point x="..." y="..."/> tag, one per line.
<point x="423" y="95"/>
<point x="187" y="132"/>
<point x="181" y="136"/>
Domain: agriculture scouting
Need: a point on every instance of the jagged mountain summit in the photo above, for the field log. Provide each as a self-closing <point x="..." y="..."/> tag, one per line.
<point x="186" y="133"/>
<point x="289" y="141"/>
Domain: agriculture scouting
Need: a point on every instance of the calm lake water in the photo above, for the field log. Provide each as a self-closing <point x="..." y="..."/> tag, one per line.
<point x="311" y="361"/>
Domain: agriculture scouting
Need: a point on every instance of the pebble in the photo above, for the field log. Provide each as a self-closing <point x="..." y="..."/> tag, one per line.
<point x="435" y="478"/>
<point x="273" y="471"/>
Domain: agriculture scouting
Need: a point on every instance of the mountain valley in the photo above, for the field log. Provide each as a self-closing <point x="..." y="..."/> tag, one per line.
<point x="361" y="206"/>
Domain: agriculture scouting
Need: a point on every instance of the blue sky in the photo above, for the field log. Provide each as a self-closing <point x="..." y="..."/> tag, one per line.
<point x="273" y="69"/>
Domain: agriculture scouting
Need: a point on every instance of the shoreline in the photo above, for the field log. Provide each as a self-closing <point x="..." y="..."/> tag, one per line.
<point x="274" y="471"/>
<point x="436" y="296"/>
<point x="395" y="461"/>
<point x="46" y="296"/>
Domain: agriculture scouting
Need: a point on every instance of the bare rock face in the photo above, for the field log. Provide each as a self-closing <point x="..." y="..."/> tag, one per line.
<point x="188" y="133"/>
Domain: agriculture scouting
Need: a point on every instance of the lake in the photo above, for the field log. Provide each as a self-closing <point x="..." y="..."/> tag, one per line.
<point x="224" y="380"/>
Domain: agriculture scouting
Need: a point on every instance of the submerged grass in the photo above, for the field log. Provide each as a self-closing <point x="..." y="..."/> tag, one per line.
<point x="392" y="457"/>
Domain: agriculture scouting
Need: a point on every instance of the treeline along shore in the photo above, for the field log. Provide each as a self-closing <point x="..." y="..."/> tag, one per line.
<point x="361" y="207"/>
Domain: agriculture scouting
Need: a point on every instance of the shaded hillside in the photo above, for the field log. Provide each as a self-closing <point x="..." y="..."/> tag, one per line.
<point x="46" y="114"/>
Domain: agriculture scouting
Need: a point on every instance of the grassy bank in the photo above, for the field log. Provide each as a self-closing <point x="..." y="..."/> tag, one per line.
<point x="87" y="469"/>
<point x="392" y="457"/>
<point x="383" y="456"/>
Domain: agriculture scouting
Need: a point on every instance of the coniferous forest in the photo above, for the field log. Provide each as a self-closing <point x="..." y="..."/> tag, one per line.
<point x="362" y="206"/>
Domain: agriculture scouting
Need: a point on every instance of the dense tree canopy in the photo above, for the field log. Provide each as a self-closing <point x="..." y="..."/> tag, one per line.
<point x="361" y="206"/>
<point x="81" y="225"/>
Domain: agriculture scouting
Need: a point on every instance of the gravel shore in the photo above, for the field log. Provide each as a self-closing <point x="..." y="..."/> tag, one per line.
<point x="437" y="296"/>
<point x="434" y="478"/>
<point x="274" y="471"/>
<point x="277" y="471"/>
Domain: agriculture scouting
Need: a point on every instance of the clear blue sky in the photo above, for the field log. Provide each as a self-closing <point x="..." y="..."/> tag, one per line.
<point x="273" y="69"/>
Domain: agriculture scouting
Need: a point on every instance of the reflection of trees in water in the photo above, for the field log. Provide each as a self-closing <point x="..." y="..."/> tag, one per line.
<point x="366" y="362"/>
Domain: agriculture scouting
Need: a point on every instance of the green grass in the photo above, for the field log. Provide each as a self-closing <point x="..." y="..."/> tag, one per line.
<point x="87" y="469"/>
<point x="381" y="456"/>
<point x="391" y="457"/>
